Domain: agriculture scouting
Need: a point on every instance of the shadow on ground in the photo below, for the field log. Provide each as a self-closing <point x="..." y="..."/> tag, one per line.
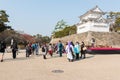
<point x="88" y="57"/>
<point x="17" y="59"/>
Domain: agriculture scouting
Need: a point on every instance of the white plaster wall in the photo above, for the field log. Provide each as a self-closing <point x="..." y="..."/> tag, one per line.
<point x="86" y="28"/>
<point x="103" y="27"/>
<point x="91" y="27"/>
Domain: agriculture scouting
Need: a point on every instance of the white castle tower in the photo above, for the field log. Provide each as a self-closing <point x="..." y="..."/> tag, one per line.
<point x="93" y="20"/>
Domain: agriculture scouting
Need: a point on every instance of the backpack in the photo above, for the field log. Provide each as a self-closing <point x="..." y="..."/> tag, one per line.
<point x="43" y="49"/>
<point x="60" y="45"/>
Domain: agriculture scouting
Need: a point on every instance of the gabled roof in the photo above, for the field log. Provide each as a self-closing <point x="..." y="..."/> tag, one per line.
<point x="96" y="9"/>
<point x="102" y="19"/>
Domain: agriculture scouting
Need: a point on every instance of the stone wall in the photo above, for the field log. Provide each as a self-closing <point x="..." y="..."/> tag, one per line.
<point x="101" y="38"/>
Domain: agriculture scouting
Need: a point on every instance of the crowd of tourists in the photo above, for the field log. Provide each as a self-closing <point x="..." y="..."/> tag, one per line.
<point x="74" y="51"/>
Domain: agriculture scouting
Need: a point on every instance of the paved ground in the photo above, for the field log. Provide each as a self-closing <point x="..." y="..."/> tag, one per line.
<point x="94" y="67"/>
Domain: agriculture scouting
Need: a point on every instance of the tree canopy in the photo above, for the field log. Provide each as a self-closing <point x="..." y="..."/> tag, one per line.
<point x="65" y="32"/>
<point x="4" y="19"/>
<point x="116" y="17"/>
<point x="41" y="39"/>
<point x="60" y="25"/>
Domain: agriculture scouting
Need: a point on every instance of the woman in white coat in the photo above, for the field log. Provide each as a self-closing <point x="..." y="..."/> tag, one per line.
<point x="69" y="50"/>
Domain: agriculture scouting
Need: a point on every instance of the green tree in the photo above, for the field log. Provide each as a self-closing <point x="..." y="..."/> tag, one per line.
<point x="3" y="20"/>
<point x="3" y="16"/>
<point x="116" y="16"/>
<point x="117" y="25"/>
<point x="46" y="39"/>
<point x="41" y="39"/>
<point x="66" y="31"/>
<point x="38" y="38"/>
<point x="117" y="21"/>
<point x="60" y="25"/>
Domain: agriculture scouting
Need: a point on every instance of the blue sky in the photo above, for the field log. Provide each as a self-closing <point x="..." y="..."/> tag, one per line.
<point x="41" y="16"/>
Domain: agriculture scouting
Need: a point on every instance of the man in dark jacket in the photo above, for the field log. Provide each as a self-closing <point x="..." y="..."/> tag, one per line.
<point x="2" y="49"/>
<point x="14" y="49"/>
<point x="83" y="52"/>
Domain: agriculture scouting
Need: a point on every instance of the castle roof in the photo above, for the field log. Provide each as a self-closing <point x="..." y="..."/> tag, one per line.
<point x="96" y="9"/>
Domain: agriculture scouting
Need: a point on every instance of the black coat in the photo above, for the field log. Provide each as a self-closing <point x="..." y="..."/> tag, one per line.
<point x="2" y="47"/>
<point x="14" y="47"/>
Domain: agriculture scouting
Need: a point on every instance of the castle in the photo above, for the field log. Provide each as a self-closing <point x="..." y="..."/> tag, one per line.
<point x="93" y="25"/>
<point x="93" y="20"/>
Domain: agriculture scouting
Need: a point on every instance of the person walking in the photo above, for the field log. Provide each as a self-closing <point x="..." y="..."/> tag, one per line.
<point x="92" y="42"/>
<point x="2" y="49"/>
<point x="60" y="48"/>
<point x="73" y="50"/>
<point x="50" y="49"/>
<point x="77" y="50"/>
<point x="83" y="50"/>
<point x="33" y="48"/>
<point x="14" y="49"/>
<point x="69" y="50"/>
<point x="28" y="50"/>
<point x="37" y="48"/>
